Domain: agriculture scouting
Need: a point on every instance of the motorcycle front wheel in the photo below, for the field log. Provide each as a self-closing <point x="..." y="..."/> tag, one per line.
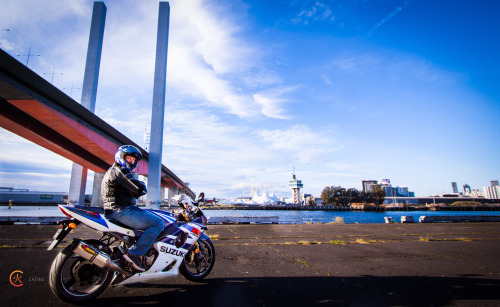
<point x="197" y="266"/>
<point x="74" y="279"/>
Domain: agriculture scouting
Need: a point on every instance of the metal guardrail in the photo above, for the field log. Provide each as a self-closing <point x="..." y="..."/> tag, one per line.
<point x="243" y="220"/>
<point x="211" y="220"/>
<point x="464" y="218"/>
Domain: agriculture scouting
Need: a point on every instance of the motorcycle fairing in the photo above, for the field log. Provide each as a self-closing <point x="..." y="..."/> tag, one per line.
<point x="95" y="221"/>
<point x="167" y="216"/>
<point x="192" y="228"/>
<point x="90" y="216"/>
<point x="204" y="237"/>
<point x="169" y="259"/>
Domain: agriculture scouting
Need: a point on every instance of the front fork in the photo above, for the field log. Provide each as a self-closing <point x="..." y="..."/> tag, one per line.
<point x="195" y="253"/>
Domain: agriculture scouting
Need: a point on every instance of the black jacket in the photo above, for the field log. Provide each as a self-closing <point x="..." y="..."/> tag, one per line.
<point x="119" y="189"/>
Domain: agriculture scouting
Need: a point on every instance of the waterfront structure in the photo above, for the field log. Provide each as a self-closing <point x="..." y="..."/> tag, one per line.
<point x="296" y="185"/>
<point x="78" y="180"/>
<point x="25" y="196"/>
<point x="454" y="186"/>
<point x="264" y="198"/>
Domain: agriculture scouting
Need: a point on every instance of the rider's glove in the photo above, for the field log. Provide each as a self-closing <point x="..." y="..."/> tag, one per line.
<point x="142" y="187"/>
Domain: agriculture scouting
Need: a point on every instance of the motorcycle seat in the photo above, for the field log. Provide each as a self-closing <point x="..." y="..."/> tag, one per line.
<point x="137" y="232"/>
<point x="119" y="224"/>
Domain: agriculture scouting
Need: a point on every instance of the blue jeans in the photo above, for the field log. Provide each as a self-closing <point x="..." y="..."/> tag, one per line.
<point x="140" y="219"/>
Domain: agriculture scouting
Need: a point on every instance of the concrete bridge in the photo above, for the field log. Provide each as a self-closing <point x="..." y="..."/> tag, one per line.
<point x="34" y="109"/>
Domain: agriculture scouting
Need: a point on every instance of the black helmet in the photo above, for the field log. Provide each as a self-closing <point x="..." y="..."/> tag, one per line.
<point x="127" y="150"/>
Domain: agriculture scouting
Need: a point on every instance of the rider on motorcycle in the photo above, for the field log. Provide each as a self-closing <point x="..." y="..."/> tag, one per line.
<point x="119" y="192"/>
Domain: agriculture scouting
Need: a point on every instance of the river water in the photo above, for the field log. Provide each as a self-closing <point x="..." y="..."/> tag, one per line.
<point x="285" y="216"/>
<point x="303" y="216"/>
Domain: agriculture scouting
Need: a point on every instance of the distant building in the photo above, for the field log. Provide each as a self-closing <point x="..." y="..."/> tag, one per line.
<point x="467" y="190"/>
<point x="476" y="193"/>
<point x="385" y="182"/>
<point x="493" y="191"/>
<point x="397" y="192"/>
<point x="391" y="193"/>
<point x="367" y="184"/>
<point x="454" y="187"/>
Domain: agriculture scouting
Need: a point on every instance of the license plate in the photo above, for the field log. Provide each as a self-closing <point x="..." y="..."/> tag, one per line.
<point x="55" y="237"/>
<point x="58" y="236"/>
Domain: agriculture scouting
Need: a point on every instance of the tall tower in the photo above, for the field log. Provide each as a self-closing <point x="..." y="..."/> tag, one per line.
<point x="296" y="185"/>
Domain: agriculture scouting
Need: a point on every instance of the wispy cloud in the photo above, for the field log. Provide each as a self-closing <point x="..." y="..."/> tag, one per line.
<point x="396" y="11"/>
<point x="317" y="12"/>
<point x="385" y="65"/>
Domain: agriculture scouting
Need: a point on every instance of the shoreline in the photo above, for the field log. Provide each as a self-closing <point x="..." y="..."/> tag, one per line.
<point x="303" y="208"/>
<point x="52" y="214"/>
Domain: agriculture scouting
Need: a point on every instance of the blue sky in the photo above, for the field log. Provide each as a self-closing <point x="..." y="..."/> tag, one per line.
<point x="341" y="91"/>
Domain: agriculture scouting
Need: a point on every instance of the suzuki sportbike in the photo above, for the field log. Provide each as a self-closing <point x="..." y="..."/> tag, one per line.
<point x="86" y="267"/>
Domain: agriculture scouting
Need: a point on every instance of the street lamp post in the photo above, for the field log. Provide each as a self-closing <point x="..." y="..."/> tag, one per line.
<point x="52" y="73"/>
<point x="28" y="56"/>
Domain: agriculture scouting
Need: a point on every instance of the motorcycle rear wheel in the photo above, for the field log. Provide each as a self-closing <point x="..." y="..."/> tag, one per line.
<point x="196" y="270"/>
<point x="74" y="279"/>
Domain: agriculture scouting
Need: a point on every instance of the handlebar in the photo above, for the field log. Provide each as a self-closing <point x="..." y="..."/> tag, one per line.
<point x="188" y="213"/>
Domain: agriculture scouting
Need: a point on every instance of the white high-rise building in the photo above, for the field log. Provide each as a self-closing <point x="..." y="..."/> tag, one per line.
<point x="492" y="192"/>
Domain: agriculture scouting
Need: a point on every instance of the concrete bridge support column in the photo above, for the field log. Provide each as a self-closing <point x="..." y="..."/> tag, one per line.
<point x="162" y="195"/>
<point x="158" y="109"/>
<point x="96" y="190"/>
<point x="172" y="192"/>
<point x="89" y="91"/>
<point x="77" y="185"/>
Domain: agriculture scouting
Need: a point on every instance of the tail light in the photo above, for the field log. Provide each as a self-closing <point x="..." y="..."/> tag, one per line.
<point x="65" y="213"/>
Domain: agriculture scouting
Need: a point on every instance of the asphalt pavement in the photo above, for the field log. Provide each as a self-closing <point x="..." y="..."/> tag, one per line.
<point x="436" y="264"/>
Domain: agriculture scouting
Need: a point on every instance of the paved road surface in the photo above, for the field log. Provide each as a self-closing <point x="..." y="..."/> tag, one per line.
<point x="442" y="264"/>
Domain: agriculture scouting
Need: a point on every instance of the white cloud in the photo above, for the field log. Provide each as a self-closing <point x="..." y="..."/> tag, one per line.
<point x="300" y="142"/>
<point x="274" y="100"/>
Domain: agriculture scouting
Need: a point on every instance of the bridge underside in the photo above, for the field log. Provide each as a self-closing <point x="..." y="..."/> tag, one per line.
<point x="37" y="111"/>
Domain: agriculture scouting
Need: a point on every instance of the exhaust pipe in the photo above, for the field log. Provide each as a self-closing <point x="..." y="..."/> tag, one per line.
<point x="97" y="257"/>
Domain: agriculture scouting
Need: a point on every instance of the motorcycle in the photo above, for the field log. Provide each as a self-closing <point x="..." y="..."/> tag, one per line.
<point x="86" y="267"/>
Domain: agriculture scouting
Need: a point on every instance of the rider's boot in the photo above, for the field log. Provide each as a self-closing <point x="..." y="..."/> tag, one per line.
<point x="135" y="261"/>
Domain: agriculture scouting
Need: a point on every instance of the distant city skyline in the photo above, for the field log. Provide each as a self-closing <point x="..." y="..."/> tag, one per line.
<point x="341" y="91"/>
